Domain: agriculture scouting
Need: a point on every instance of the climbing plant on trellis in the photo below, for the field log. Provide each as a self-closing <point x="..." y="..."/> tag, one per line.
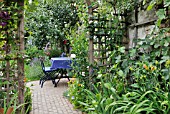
<point x="105" y="35"/>
<point x="11" y="53"/>
<point x="107" y="29"/>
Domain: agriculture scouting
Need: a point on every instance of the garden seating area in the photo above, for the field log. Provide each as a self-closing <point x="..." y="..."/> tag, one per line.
<point x="58" y="69"/>
<point x="84" y="56"/>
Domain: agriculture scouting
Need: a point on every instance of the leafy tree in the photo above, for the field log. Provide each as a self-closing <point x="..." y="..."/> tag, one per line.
<point x="50" y="23"/>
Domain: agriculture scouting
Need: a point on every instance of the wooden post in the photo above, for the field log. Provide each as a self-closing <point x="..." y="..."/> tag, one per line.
<point x="91" y="60"/>
<point x="91" y="50"/>
<point x="136" y="21"/>
<point x="20" y="60"/>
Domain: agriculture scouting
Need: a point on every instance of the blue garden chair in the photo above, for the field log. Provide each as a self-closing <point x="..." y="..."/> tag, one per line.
<point x="49" y="74"/>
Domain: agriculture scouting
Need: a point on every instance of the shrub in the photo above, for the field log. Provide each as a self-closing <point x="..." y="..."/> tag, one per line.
<point x="53" y="53"/>
<point x="33" y="72"/>
<point x="27" y="100"/>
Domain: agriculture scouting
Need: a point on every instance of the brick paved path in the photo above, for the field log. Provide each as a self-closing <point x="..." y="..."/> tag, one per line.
<point x="50" y="99"/>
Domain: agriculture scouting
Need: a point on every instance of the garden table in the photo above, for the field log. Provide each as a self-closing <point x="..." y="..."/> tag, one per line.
<point x="62" y="64"/>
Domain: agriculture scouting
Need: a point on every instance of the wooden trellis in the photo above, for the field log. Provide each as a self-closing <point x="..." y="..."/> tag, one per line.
<point x="104" y="36"/>
<point x="12" y="57"/>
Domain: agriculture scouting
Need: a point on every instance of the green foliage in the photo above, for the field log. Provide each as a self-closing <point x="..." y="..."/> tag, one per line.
<point x="28" y="100"/>
<point x="137" y="82"/>
<point x="139" y="85"/>
<point x="53" y="53"/>
<point x="33" y="52"/>
<point x="75" y="93"/>
<point x="11" y="104"/>
<point x="132" y="86"/>
<point x="160" y="12"/>
<point x="8" y="26"/>
<point x="33" y="71"/>
<point x="2" y="93"/>
<point x="10" y="14"/>
<point x="81" y="52"/>
<point x="51" y="24"/>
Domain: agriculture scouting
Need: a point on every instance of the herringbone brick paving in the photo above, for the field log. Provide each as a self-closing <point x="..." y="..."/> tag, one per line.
<point x="50" y="99"/>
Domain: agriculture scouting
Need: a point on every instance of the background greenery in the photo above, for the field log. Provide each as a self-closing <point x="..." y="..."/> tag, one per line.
<point x="51" y="25"/>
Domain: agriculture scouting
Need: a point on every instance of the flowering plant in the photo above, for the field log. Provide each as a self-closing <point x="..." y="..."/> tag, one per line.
<point x="4" y="15"/>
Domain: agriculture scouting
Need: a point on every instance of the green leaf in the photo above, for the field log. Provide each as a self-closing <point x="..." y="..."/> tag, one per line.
<point x="120" y="73"/>
<point x="159" y="22"/>
<point x="162" y="61"/>
<point x="121" y="108"/>
<point x="144" y="2"/>
<point x="134" y="94"/>
<point x="162" y="42"/>
<point x="164" y="70"/>
<point x="150" y="7"/>
<point x="148" y="109"/>
<point x="156" y="45"/>
<point x="118" y="59"/>
<point x="122" y="49"/>
<point x="108" y="85"/>
<point x="165" y="57"/>
<point x="113" y="89"/>
<point x="166" y="43"/>
<point x="136" y="107"/>
<point x="99" y="76"/>
<point x="91" y="109"/>
<point x="161" y="14"/>
<point x="115" y="103"/>
<point x="166" y="3"/>
<point x="135" y="85"/>
<point x="109" y="101"/>
<point x="91" y="95"/>
<point x="82" y="103"/>
<point x="132" y="52"/>
<point x="151" y="43"/>
<point x="143" y="96"/>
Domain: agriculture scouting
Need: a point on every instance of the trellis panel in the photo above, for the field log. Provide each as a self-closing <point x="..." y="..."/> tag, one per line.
<point x="103" y="37"/>
<point x="12" y="56"/>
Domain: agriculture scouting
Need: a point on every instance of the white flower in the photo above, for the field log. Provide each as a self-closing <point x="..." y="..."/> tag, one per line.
<point x="73" y="55"/>
<point x="90" y="22"/>
<point x="1" y="74"/>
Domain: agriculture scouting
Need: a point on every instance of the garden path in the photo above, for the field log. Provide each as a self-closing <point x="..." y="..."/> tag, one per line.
<point x="50" y="99"/>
